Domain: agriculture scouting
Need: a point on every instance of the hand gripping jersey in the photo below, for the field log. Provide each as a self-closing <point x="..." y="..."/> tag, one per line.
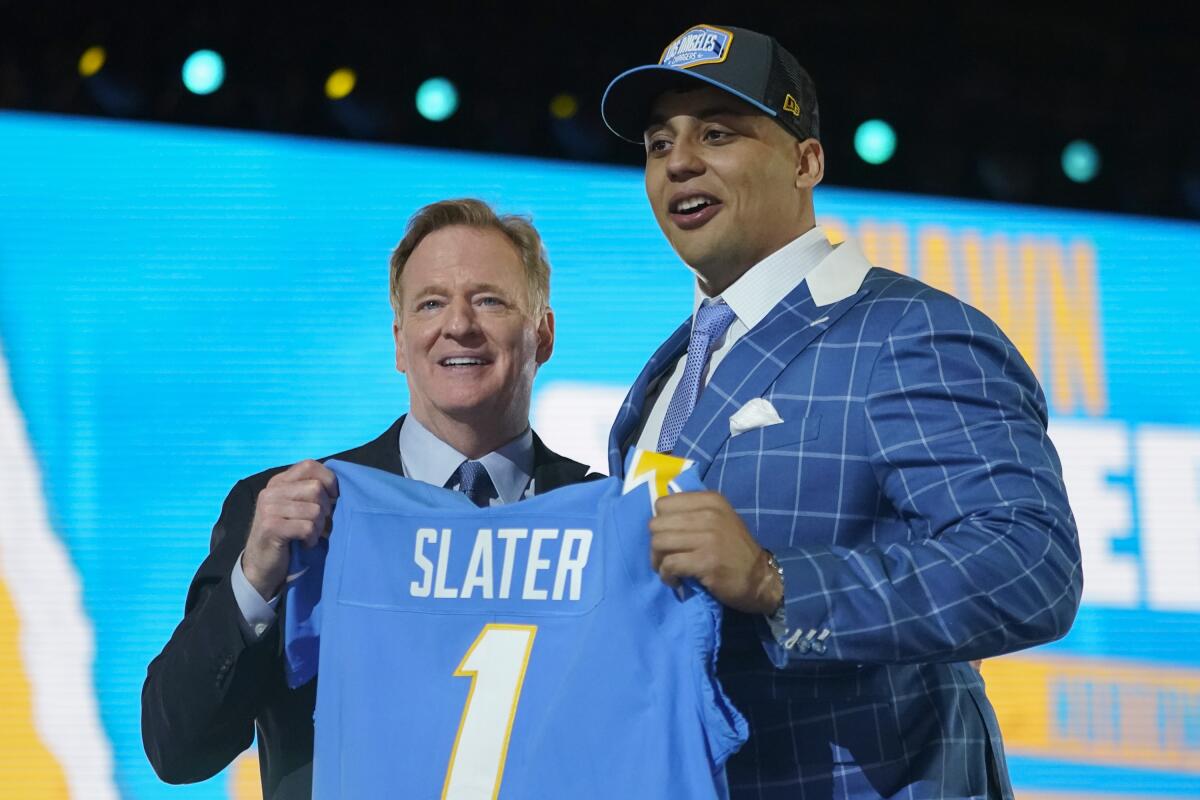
<point x="516" y="652"/>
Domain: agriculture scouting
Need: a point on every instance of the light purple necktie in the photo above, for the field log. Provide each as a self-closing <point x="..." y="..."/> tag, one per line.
<point x="712" y="319"/>
<point x="475" y="482"/>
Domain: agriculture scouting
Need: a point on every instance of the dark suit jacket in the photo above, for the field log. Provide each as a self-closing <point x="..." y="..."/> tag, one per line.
<point x="209" y="689"/>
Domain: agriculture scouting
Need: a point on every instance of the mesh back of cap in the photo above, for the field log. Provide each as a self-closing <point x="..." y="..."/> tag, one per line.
<point x="799" y="80"/>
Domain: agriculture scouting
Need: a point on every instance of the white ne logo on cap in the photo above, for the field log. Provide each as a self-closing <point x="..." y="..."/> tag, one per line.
<point x="702" y="44"/>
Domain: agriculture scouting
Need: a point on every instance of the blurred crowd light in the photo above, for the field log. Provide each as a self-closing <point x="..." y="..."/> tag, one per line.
<point x="340" y="83"/>
<point x="437" y="99"/>
<point x="1081" y="161"/>
<point x="875" y="141"/>
<point x="203" y="72"/>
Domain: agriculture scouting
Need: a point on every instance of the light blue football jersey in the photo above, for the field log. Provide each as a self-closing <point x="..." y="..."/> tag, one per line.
<point x="516" y="652"/>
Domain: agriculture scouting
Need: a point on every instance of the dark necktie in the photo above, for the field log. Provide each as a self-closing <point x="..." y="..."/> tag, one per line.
<point x="473" y="481"/>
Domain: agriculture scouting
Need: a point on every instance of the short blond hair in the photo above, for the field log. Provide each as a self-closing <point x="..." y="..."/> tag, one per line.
<point x="474" y="213"/>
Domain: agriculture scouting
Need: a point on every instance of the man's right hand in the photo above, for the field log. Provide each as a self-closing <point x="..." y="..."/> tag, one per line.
<point x="294" y="507"/>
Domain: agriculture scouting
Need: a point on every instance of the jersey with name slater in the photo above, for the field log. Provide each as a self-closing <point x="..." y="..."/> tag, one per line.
<point x="516" y="652"/>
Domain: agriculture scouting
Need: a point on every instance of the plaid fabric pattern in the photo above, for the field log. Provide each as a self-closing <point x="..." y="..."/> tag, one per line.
<point x="918" y="510"/>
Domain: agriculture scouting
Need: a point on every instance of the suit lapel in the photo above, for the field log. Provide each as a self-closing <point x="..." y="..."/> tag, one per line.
<point x="753" y="364"/>
<point x="629" y="418"/>
<point x="831" y="289"/>
<point x="552" y="471"/>
<point x="382" y="452"/>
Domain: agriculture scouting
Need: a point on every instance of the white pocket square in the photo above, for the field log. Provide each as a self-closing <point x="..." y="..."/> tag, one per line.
<point x="756" y="413"/>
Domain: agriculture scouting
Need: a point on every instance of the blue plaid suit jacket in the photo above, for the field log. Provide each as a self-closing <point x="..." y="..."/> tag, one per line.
<point x="917" y="508"/>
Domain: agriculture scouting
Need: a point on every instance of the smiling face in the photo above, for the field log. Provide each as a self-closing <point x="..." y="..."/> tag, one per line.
<point x="466" y="338"/>
<point x="727" y="184"/>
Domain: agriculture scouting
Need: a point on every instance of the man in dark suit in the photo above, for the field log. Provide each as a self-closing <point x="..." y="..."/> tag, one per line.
<point x="472" y="324"/>
<point x="886" y="505"/>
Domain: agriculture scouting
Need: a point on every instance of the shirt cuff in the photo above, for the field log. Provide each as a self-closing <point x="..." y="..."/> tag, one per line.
<point x="777" y="622"/>
<point x="257" y="614"/>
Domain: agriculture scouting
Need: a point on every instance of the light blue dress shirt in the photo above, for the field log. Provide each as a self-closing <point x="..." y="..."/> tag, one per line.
<point x="426" y="458"/>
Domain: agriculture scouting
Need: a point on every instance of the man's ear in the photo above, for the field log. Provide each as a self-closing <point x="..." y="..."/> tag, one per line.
<point x="810" y="163"/>
<point x="545" y="336"/>
<point x="398" y="338"/>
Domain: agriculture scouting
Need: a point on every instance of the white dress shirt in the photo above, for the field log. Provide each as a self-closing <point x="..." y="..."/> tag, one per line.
<point x="426" y="458"/>
<point x="751" y="297"/>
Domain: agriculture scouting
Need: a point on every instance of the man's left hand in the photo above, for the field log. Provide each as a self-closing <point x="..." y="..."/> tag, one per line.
<point x="698" y="535"/>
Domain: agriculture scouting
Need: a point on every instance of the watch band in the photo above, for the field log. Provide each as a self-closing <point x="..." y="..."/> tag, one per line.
<point x="773" y="563"/>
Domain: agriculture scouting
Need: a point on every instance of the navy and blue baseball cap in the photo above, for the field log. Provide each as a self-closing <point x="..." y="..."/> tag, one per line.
<point x="750" y="66"/>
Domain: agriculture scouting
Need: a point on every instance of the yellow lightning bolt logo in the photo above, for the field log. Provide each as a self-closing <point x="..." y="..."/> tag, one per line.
<point x="657" y="470"/>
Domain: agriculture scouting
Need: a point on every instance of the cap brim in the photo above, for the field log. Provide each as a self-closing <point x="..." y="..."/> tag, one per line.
<point x="626" y="104"/>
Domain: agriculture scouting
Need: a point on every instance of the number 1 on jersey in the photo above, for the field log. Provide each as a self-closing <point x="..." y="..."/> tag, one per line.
<point x="495" y="662"/>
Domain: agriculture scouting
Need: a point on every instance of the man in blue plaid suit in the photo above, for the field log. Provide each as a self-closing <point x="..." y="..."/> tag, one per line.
<point x="886" y="506"/>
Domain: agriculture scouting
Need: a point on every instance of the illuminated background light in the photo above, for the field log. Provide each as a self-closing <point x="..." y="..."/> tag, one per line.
<point x="1081" y="161"/>
<point x="340" y="83"/>
<point x="203" y="72"/>
<point x="564" y="106"/>
<point x="437" y="99"/>
<point x="875" y="141"/>
<point x="92" y="61"/>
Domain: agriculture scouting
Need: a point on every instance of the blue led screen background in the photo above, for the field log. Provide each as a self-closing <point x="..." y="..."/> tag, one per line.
<point x="180" y="308"/>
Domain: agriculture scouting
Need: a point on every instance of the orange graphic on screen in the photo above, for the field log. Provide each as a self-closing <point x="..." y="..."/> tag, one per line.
<point x="27" y="769"/>
<point x="1042" y="290"/>
<point x="245" y="782"/>
<point x="1097" y="711"/>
